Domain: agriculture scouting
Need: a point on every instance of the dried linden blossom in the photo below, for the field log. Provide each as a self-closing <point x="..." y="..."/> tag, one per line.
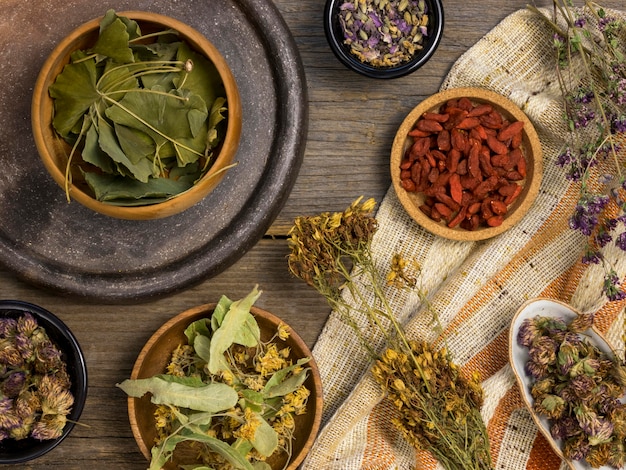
<point x="384" y="33"/>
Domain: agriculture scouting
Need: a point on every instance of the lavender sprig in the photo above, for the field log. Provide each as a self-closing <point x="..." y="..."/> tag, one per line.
<point x="590" y="47"/>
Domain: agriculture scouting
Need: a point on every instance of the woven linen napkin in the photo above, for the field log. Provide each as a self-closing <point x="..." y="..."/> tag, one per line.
<point x="475" y="286"/>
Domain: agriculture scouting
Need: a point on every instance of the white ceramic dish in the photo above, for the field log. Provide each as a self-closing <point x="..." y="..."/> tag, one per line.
<point x="518" y="356"/>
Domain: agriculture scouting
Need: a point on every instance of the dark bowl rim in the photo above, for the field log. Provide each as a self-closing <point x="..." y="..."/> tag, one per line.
<point x="77" y="367"/>
<point x="334" y="37"/>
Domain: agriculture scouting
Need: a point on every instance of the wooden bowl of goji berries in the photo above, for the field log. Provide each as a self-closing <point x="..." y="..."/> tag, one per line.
<point x="466" y="164"/>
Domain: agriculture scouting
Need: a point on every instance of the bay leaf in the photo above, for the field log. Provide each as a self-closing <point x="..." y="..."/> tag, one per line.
<point x="214" y="397"/>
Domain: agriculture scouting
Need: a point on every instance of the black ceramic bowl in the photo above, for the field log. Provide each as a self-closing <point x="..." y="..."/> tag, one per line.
<point x="17" y="451"/>
<point x="335" y="37"/>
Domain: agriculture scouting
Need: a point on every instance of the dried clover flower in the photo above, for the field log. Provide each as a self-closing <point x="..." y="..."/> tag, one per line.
<point x="35" y="396"/>
<point x="578" y="388"/>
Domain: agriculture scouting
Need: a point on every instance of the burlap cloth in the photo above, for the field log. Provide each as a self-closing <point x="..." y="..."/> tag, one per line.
<point x="475" y="286"/>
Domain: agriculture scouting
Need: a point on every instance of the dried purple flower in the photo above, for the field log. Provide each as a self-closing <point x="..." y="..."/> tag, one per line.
<point x="527" y="333"/>
<point x="552" y="406"/>
<point x="8" y="327"/>
<point x="13" y="384"/>
<point x="35" y="395"/>
<point x="576" y="448"/>
<point x="581" y="323"/>
<point x="564" y="428"/>
<point x="26" y="324"/>
<point x="543" y="351"/>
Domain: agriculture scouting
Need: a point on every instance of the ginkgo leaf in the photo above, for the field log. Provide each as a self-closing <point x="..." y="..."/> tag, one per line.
<point x="113" y="42"/>
<point x="74" y="91"/>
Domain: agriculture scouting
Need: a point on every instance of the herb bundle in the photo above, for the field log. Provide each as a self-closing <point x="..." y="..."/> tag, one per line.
<point x="590" y="47"/>
<point x="35" y="396"/>
<point x="438" y="409"/>
<point x="227" y="400"/>
<point x="578" y="388"/>
<point x="144" y="113"/>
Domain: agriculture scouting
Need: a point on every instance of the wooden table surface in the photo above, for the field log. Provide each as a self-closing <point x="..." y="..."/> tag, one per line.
<point x="352" y="123"/>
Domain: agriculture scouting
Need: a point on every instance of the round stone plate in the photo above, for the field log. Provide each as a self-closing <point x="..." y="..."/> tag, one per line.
<point x="68" y="248"/>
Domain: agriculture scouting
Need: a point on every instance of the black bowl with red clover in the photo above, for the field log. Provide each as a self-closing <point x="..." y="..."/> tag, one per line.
<point x="13" y="451"/>
<point x="383" y="38"/>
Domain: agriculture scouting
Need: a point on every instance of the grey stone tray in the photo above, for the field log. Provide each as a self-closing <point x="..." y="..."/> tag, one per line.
<point x="71" y="250"/>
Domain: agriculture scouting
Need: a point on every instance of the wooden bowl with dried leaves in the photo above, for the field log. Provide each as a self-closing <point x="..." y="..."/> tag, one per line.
<point x="132" y="162"/>
<point x="156" y="355"/>
<point x="466" y="164"/>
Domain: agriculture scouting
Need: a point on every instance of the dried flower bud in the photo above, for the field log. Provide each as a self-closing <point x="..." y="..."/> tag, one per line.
<point x="552" y="406"/>
<point x="26" y="324"/>
<point x="619" y="373"/>
<point x="11" y="357"/>
<point x="582" y="322"/>
<point x="8" y="327"/>
<point x="13" y="384"/>
<point x="527" y="333"/>
<point x="543" y="351"/>
<point x="617" y="454"/>
<point x="576" y="448"/>
<point x="49" y="427"/>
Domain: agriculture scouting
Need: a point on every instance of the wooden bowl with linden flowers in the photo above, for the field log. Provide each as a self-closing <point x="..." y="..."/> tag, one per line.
<point x="235" y="382"/>
<point x="136" y="115"/>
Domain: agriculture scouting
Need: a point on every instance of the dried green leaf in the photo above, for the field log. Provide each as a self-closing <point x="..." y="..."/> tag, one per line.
<point x="265" y="438"/>
<point x="212" y="398"/>
<point x="112" y="42"/>
<point x="234" y="325"/>
<point x="127" y="191"/>
<point x="74" y="91"/>
<point x="278" y="385"/>
<point x="222" y="307"/>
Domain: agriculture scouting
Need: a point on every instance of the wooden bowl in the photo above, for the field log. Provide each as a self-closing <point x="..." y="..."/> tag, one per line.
<point x="530" y="146"/>
<point x="54" y="151"/>
<point x="155" y="356"/>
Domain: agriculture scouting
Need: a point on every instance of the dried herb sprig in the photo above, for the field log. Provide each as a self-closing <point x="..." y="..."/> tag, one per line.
<point x="590" y="58"/>
<point x="578" y="388"/>
<point x="35" y="396"/>
<point x="438" y="408"/>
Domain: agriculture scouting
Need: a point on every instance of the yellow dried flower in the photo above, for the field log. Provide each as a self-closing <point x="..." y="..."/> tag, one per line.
<point x="283" y="331"/>
<point x="248" y="429"/>
<point x="270" y="361"/>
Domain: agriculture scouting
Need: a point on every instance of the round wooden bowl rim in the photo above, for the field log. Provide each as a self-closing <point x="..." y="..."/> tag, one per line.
<point x="177" y="203"/>
<point x="533" y="153"/>
<point x="205" y="310"/>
